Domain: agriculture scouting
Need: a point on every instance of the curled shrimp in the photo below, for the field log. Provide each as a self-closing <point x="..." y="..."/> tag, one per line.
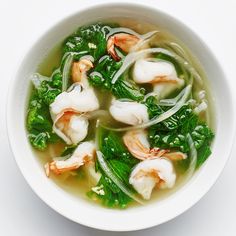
<point x="123" y="41"/>
<point x="68" y="113"/>
<point x="71" y="126"/>
<point x="161" y="74"/>
<point x="83" y="154"/>
<point x="138" y="145"/>
<point x="150" y="173"/>
<point x="129" y="112"/>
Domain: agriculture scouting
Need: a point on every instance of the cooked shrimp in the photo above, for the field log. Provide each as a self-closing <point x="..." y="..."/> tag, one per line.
<point x="138" y="145"/>
<point x="83" y="154"/>
<point x="161" y="74"/>
<point x="132" y="113"/>
<point x="72" y="127"/>
<point x="79" y="69"/>
<point x="123" y="41"/>
<point x="67" y="112"/>
<point x="150" y="173"/>
<point x="74" y="100"/>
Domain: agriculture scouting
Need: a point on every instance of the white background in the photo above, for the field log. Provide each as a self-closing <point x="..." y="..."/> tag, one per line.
<point x="21" y="211"/>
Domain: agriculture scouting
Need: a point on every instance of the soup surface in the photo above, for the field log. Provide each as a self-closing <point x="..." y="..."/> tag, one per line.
<point x="120" y="113"/>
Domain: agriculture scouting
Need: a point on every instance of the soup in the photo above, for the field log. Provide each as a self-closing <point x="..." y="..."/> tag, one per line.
<point x="120" y="113"/>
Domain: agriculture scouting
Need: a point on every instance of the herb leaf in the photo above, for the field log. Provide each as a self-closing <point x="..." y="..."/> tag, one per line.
<point x="88" y="40"/>
<point x="102" y="75"/>
<point x="171" y="133"/>
<point x="121" y="163"/>
<point x="39" y="123"/>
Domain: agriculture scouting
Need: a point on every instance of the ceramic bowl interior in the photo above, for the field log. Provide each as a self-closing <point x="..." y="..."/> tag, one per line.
<point x="83" y="211"/>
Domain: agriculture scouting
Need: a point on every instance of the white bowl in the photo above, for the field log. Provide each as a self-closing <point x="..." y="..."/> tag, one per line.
<point x="82" y="211"/>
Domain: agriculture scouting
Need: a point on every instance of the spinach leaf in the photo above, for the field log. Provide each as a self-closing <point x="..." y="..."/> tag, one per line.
<point x="38" y="115"/>
<point x="153" y="108"/>
<point x="102" y="75"/>
<point x="88" y="40"/>
<point x="47" y="90"/>
<point x="104" y="71"/>
<point x="113" y="196"/>
<point x="39" y="123"/>
<point x="203" y="153"/>
<point x="171" y="133"/>
<point x="112" y="147"/>
<point x="127" y="89"/>
<point x="121" y="163"/>
<point x="172" y="122"/>
<point x="68" y="150"/>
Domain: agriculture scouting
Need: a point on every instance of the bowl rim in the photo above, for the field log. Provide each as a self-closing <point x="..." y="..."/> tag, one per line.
<point x="10" y="97"/>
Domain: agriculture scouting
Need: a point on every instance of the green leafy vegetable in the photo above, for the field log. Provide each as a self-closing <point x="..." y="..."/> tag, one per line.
<point x="172" y="122"/>
<point x="47" y="93"/>
<point x="121" y="162"/>
<point x="48" y="88"/>
<point x="102" y="75"/>
<point x="113" y="196"/>
<point x="203" y="153"/>
<point x="39" y="123"/>
<point x="171" y="133"/>
<point x="115" y="178"/>
<point x="112" y="147"/>
<point x="88" y="40"/>
<point x="127" y="89"/>
<point x="56" y="81"/>
<point x="68" y="150"/>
